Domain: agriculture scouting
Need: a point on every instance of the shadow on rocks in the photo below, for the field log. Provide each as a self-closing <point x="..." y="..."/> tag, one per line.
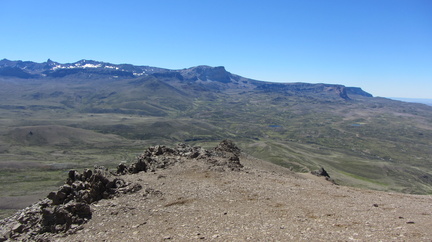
<point x="65" y="210"/>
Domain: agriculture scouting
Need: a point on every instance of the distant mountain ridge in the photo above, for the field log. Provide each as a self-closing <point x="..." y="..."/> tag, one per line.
<point x="218" y="76"/>
<point x="51" y="68"/>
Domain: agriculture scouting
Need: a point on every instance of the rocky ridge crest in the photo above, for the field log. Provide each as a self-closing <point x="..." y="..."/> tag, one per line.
<point x="64" y="211"/>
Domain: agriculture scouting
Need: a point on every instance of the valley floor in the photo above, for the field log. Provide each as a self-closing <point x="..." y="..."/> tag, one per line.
<point x="263" y="202"/>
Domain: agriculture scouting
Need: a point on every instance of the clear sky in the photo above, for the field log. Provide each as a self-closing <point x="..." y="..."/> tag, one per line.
<point x="383" y="46"/>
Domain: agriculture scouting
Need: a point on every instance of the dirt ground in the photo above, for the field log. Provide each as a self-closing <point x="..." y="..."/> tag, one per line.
<point x="262" y="202"/>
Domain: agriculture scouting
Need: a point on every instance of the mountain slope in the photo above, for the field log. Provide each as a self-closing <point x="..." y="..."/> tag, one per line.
<point x="362" y="140"/>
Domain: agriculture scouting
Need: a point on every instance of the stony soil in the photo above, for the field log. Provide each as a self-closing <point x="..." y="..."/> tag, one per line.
<point x="189" y="202"/>
<point x="193" y="200"/>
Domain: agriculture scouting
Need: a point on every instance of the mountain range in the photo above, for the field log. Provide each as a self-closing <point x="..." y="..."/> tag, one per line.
<point x="54" y="117"/>
<point x="203" y="78"/>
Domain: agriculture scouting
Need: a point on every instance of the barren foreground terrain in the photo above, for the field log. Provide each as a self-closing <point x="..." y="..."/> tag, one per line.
<point x="191" y="194"/>
<point x="189" y="201"/>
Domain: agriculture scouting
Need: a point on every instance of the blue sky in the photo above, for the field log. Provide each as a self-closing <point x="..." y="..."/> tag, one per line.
<point x="383" y="46"/>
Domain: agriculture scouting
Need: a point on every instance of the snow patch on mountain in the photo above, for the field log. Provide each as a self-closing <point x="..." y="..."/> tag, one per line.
<point x="81" y="65"/>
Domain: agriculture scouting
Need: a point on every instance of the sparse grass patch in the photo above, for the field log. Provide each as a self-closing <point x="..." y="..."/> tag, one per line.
<point x="362" y="178"/>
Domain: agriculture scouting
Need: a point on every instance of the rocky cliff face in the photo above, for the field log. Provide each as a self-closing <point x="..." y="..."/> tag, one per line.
<point x="207" y="73"/>
<point x="357" y="91"/>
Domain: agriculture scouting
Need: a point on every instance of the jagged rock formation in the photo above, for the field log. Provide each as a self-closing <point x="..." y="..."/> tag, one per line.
<point x="227" y="146"/>
<point x="225" y="155"/>
<point x="65" y="210"/>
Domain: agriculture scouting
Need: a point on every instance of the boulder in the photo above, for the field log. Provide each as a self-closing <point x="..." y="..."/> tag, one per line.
<point x="321" y="172"/>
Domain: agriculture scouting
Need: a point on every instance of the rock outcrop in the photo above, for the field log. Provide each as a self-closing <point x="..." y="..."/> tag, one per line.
<point x="224" y="156"/>
<point x="321" y="172"/>
<point x="65" y="210"/>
